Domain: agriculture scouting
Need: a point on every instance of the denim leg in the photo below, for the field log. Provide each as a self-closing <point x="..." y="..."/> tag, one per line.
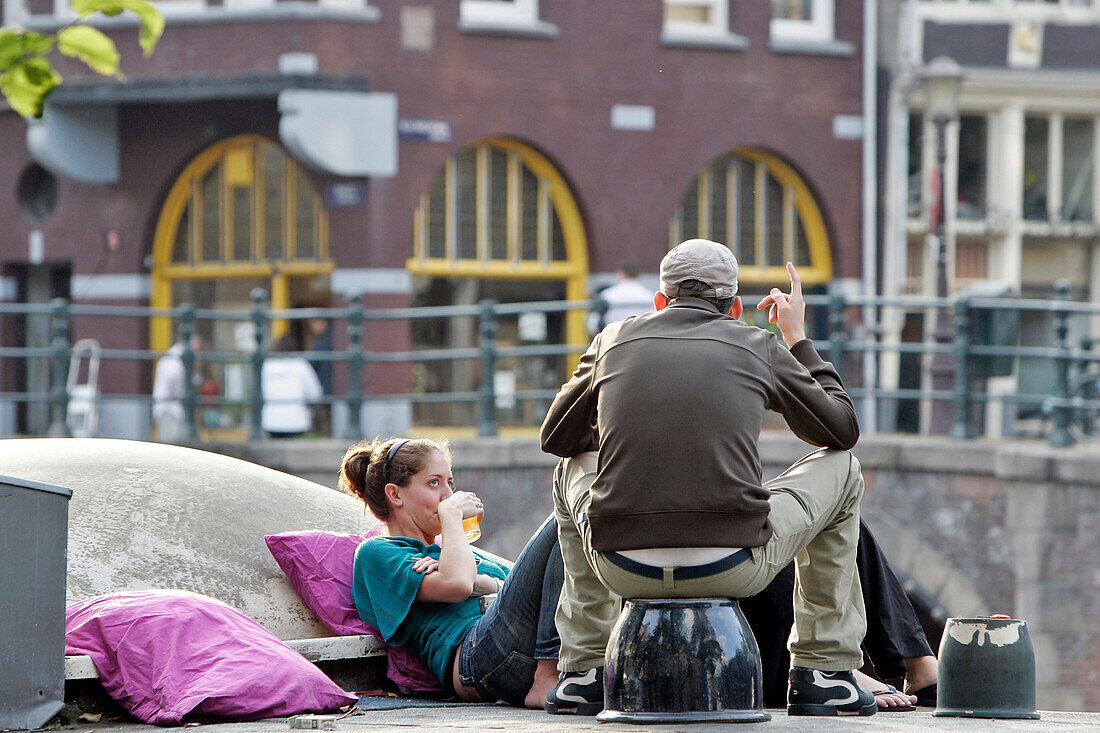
<point x="547" y="641"/>
<point x="497" y="657"/>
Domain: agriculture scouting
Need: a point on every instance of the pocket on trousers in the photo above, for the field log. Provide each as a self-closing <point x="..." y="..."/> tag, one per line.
<point x="510" y="680"/>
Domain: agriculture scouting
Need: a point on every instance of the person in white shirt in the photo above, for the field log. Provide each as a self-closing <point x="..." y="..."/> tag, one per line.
<point x="627" y="297"/>
<point x="288" y="384"/>
<point x="169" y="380"/>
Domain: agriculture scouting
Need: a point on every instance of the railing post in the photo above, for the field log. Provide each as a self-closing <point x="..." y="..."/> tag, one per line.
<point x="487" y="328"/>
<point x="187" y="358"/>
<point x="259" y="319"/>
<point x="961" y="430"/>
<point x="59" y="362"/>
<point x="1060" y="437"/>
<point x="352" y="429"/>
<point x="836" y="331"/>
<point x="600" y="309"/>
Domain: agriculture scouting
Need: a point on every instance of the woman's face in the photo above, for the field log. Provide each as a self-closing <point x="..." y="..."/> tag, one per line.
<point x="421" y="497"/>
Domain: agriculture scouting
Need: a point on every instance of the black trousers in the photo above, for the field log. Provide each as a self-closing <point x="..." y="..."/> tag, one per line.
<point x="893" y="632"/>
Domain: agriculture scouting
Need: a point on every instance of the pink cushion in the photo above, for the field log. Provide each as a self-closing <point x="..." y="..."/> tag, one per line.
<point x="166" y="655"/>
<point x="320" y="565"/>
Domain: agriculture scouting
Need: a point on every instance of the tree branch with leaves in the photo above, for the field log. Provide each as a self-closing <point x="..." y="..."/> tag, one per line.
<point x="27" y="75"/>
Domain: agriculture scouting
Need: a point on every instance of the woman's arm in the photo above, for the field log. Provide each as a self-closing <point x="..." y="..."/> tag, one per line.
<point x="455" y="577"/>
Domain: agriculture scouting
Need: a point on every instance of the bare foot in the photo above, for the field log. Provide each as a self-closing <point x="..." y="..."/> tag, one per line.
<point x="891" y="700"/>
<point x="546" y="676"/>
<point x="920" y="672"/>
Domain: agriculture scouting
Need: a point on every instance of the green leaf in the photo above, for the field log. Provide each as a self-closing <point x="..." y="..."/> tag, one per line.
<point x="26" y="84"/>
<point x="16" y="43"/>
<point x="91" y="46"/>
<point x="152" y="22"/>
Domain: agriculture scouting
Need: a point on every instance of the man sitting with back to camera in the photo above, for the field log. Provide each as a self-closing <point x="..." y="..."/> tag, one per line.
<point x="673" y="506"/>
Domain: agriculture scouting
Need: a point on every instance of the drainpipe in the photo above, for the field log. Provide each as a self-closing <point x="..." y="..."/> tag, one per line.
<point x="897" y="200"/>
<point x="869" y="419"/>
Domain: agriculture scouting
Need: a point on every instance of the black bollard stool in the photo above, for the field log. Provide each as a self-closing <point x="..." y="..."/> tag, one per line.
<point x="683" y="661"/>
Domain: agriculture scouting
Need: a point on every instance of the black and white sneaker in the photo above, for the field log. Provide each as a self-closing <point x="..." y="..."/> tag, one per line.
<point x="813" y="692"/>
<point x="577" y="693"/>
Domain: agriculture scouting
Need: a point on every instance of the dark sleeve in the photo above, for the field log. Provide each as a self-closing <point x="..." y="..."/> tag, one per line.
<point x="810" y="396"/>
<point x="570" y="425"/>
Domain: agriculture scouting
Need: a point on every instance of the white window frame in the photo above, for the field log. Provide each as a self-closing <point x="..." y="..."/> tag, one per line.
<point x="820" y="27"/>
<point x="500" y="12"/>
<point x="719" y="24"/>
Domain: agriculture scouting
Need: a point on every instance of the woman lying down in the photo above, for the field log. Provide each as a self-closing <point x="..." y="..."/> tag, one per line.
<point x="425" y="596"/>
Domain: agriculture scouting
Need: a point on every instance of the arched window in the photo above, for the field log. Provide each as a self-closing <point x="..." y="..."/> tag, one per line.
<point x="762" y="209"/>
<point x="242" y="215"/>
<point x="498" y="221"/>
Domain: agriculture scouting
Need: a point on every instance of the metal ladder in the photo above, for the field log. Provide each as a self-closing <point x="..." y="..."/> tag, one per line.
<point x="83" y="413"/>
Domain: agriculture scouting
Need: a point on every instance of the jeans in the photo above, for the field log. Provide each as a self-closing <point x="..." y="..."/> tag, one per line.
<point x="497" y="658"/>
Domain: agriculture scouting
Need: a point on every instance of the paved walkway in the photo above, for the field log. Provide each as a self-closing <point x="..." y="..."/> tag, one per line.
<point x="501" y="718"/>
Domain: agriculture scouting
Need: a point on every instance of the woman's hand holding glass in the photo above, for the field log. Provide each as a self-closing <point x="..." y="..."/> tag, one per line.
<point x="472" y="512"/>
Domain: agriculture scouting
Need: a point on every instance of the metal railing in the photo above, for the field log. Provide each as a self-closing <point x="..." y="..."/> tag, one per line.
<point x="845" y="330"/>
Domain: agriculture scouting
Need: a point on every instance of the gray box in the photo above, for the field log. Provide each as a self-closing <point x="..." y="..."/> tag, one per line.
<point x="34" y="523"/>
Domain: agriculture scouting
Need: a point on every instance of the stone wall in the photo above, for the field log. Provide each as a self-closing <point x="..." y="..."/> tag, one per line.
<point x="972" y="528"/>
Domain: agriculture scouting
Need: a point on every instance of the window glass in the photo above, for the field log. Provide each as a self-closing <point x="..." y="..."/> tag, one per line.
<point x="530" y="212"/>
<point x="274" y="203"/>
<point x="746" y="211"/>
<point x="181" y="246"/>
<point x="498" y="204"/>
<point x="697" y="16"/>
<point x="971" y="181"/>
<point x="793" y="9"/>
<point x="211" y="216"/>
<point x="801" y="243"/>
<point x="557" y="241"/>
<point x="689" y="213"/>
<point x="774" y="231"/>
<point x="806" y="20"/>
<point x="1077" y="152"/>
<point x="466" y="163"/>
<point x="307" y="219"/>
<point x="241" y="197"/>
<point x="437" y="217"/>
<point x="1036" y="157"/>
<point x="719" y="202"/>
<point x="916" y="142"/>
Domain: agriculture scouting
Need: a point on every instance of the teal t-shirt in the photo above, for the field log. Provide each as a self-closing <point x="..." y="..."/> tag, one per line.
<point x="385" y="588"/>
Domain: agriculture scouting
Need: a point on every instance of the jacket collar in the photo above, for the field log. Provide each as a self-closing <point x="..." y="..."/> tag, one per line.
<point x="686" y="301"/>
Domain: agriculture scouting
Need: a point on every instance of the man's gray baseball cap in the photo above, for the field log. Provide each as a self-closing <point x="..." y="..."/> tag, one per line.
<point x="702" y="260"/>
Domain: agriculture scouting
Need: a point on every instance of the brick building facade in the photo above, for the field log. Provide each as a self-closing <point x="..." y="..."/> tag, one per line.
<point x="515" y="149"/>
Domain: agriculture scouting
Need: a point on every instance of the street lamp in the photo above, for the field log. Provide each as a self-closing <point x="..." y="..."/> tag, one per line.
<point x="942" y="81"/>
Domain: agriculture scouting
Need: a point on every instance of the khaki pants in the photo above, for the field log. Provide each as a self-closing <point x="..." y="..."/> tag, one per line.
<point x="815" y="521"/>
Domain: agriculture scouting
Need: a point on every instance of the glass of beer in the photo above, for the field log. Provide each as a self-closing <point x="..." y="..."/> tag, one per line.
<point x="472" y="525"/>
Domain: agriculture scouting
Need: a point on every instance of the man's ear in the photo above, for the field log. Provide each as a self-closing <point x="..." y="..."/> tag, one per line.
<point x="393" y="495"/>
<point x="737" y="308"/>
<point x="659" y="300"/>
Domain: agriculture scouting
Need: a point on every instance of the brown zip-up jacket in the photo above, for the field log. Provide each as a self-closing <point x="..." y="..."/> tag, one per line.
<point x="674" y="401"/>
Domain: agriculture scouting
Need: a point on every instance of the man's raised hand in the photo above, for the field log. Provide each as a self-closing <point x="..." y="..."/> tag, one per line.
<point x="787" y="310"/>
